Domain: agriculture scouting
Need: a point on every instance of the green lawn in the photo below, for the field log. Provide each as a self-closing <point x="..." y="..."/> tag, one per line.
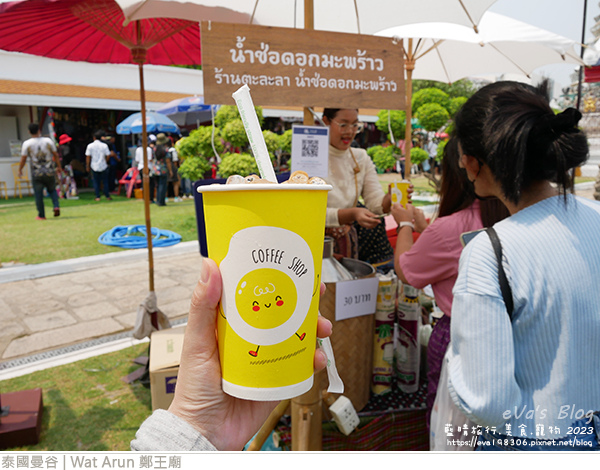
<point x="87" y="407"/>
<point x="75" y="233"/>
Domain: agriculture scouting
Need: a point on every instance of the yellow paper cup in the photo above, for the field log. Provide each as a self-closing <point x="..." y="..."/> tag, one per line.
<point x="268" y="242"/>
<point x="400" y="192"/>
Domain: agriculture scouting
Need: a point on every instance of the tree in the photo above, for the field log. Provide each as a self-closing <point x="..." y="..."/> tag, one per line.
<point x="227" y="130"/>
<point x="228" y="113"/>
<point x="456" y="104"/>
<point x="430" y="95"/>
<point x="432" y="116"/>
<point x="273" y="142"/>
<point x="234" y="132"/>
<point x="396" y="120"/>
<point x="286" y="141"/>
<point x="242" y="164"/>
<point x="196" y="150"/>
<point x="384" y="158"/>
<point x="459" y="88"/>
<point x="418" y="155"/>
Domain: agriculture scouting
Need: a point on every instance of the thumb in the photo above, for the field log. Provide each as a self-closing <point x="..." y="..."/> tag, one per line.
<point x="204" y="304"/>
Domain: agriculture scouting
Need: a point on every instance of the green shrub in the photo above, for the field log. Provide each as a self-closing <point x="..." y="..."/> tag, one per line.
<point x="235" y="133"/>
<point x="273" y="142"/>
<point x="227" y="113"/>
<point x="430" y="95"/>
<point x="397" y="123"/>
<point x="456" y="104"/>
<point x="194" y="168"/>
<point x="286" y="142"/>
<point x="383" y="157"/>
<point x="237" y="164"/>
<point x="418" y="155"/>
<point x="432" y="116"/>
<point x="440" y="150"/>
<point x="200" y="143"/>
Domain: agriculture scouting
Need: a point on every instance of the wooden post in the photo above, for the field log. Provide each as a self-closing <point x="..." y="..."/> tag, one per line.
<point x="268" y="426"/>
<point x="306" y="409"/>
<point x="307" y="431"/>
<point x="409" y="65"/>
<point x="139" y="56"/>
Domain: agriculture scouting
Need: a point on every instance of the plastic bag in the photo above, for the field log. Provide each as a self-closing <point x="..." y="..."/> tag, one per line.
<point x="143" y="323"/>
<point x="450" y="429"/>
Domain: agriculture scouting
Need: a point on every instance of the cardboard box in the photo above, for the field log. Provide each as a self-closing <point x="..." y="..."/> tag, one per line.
<point x="165" y="355"/>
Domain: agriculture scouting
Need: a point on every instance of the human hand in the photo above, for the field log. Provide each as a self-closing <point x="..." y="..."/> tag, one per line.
<point x="366" y="218"/>
<point x="227" y="422"/>
<point x="419" y="220"/>
<point x="403" y="214"/>
<point x="410" y="191"/>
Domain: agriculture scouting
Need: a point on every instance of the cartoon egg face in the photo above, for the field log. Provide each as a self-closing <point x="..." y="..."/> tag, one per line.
<point x="266" y="298"/>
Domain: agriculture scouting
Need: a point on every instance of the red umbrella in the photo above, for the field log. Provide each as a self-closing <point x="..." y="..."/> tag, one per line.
<point x="94" y="31"/>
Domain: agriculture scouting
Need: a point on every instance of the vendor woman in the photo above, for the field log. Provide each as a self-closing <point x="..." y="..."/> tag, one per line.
<point x="352" y="175"/>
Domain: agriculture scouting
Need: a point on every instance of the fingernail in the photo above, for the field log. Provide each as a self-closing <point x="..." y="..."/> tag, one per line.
<point x="204" y="273"/>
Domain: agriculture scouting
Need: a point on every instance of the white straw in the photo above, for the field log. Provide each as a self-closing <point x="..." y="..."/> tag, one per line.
<point x="257" y="141"/>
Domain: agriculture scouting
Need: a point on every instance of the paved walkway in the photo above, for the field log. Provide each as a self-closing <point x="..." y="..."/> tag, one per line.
<point x="47" y="309"/>
<point x="54" y="305"/>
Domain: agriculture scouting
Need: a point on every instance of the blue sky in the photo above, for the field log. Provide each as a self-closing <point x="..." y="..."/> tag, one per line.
<point x="564" y="17"/>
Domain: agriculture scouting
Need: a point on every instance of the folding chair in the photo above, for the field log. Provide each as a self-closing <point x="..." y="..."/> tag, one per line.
<point x="22" y="182"/>
<point x="3" y="188"/>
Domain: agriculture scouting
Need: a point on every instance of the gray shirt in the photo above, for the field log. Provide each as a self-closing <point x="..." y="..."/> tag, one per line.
<point x="163" y="431"/>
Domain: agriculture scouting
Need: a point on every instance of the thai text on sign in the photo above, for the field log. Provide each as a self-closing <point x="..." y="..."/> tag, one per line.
<point x="296" y="67"/>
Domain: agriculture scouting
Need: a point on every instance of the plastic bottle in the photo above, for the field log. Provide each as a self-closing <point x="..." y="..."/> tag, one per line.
<point x="407" y="347"/>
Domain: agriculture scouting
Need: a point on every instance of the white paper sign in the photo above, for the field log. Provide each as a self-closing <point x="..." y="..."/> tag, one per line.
<point x="310" y="150"/>
<point x="355" y="298"/>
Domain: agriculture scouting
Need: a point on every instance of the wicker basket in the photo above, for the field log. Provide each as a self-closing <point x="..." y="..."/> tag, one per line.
<point x="352" y="341"/>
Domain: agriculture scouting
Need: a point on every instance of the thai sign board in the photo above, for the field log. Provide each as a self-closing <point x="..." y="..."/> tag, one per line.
<point x="296" y="67"/>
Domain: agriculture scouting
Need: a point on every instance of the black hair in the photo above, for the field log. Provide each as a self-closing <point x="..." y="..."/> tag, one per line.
<point x="34" y="128"/>
<point x="457" y="193"/>
<point x="99" y="134"/>
<point x="510" y="127"/>
<point x="331" y="113"/>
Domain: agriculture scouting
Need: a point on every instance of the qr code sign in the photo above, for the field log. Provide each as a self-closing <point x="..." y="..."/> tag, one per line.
<point x="310" y="148"/>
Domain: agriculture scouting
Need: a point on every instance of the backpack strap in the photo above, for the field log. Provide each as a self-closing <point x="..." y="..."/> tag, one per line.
<point x="504" y="285"/>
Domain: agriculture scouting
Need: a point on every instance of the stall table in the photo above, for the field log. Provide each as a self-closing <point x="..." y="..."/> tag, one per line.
<point x="391" y="422"/>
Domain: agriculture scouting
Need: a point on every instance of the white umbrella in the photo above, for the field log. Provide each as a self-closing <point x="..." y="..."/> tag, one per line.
<point x="348" y="16"/>
<point x="447" y="52"/>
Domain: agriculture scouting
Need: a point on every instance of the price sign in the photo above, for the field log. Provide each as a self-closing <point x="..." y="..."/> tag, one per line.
<point x="355" y="298"/>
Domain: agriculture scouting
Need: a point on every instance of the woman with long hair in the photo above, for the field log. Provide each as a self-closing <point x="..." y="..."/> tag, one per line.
<point x="528" y="379"/>
<point x="433" y="258"/>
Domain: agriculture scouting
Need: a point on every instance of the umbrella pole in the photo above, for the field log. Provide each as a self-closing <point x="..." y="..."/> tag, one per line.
<point x="138" y="54"/>
<point x="146" y="181"/>
<point x="306" y="409"/>
<point x="409" y="65"/>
